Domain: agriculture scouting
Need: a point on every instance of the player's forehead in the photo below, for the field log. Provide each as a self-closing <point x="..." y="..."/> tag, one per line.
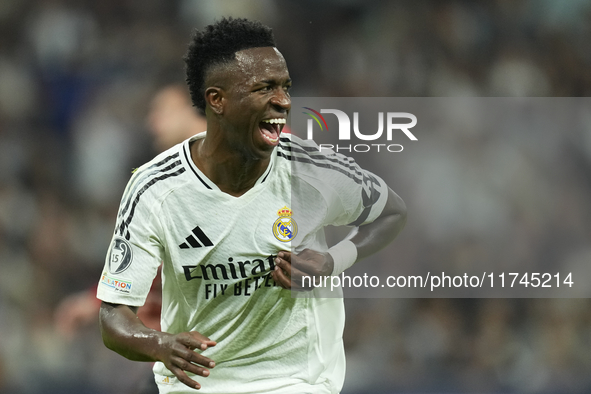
<point x="256" y="64"/>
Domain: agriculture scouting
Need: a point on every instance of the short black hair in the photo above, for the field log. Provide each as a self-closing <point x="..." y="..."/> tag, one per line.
<point x="218" y="44"/>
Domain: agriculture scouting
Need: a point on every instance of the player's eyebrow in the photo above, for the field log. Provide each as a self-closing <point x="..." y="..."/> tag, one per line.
<point x="274" y="81"/>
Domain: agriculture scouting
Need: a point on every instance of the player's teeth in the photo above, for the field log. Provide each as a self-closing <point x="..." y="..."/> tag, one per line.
<point x="274" y="121"/>
<point x="270" y="139"/>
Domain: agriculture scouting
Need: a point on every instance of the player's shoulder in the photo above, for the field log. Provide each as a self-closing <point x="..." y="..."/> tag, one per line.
<point x="289" y="142"/>
<point x="166" y="156"/>
<point x="158" y="175"/>
<point x="163" y="162"/>
<point x="307" y="157"/>
<point x="296" y="150"/>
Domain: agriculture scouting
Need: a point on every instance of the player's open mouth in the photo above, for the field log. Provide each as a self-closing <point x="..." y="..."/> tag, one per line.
<point x="270" y="129"/>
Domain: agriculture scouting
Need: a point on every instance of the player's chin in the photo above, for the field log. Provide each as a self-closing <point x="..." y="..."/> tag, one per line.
<point x="262" y="150"/>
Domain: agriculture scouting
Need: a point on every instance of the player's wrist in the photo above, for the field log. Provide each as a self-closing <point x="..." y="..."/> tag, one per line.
<point x="344" y="255"/>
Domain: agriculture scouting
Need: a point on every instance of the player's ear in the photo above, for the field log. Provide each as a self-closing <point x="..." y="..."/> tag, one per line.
<point x="214" y="96"/>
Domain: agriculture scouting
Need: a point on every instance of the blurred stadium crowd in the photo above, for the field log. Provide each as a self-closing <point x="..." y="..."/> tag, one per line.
<point x="76" y="80"/>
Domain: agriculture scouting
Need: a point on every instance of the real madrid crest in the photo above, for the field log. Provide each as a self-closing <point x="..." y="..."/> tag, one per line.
<point x="285" y="228"/>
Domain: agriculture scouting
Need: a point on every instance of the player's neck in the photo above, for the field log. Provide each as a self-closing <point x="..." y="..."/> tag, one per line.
<point x="231" y="171"/>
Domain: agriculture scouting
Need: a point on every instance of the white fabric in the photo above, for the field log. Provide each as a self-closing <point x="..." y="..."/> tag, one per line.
<point x="267" y="340"/>
<point x="344" y="255"/>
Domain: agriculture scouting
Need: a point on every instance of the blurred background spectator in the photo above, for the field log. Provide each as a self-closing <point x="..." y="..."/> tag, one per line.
<point x="76" y="82"/>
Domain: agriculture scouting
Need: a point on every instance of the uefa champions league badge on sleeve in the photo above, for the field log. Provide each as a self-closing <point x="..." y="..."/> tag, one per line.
<point x="285" y="228"/>
<point x="120" y="255"/>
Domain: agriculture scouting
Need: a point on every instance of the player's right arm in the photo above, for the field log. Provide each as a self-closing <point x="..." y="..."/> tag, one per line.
<point x="131" y="264"/>
<point x="124" y="333"/>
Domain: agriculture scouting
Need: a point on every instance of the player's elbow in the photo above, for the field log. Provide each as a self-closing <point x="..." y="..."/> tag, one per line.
<point x="105" y="324"/>
<point x="115" y="323"/>
<point x="402" y="212"/>
<point x="397" y="208"/>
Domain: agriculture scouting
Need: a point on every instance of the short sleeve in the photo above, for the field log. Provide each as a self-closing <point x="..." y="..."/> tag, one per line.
<point x="352" y="195"/>
<point x="363" y="201"/>
<point x="136" y="250"/>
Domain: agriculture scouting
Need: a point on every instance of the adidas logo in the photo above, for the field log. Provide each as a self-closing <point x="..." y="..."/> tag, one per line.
<point x="193" y="240"/>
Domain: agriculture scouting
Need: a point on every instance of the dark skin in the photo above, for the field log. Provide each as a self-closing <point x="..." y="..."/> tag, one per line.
<point x="233" y="155"/>
<point x="124" y="333"/>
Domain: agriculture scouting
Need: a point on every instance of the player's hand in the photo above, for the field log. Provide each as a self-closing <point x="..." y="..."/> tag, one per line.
<point x="290" y="268"/>
<point x="179" y="356"/>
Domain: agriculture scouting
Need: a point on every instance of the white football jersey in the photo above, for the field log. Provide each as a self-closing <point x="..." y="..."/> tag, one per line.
<point x="217" y="252"/>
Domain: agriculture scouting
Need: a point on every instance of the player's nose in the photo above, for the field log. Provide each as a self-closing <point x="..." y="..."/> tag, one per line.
<point x="281" y="101"/>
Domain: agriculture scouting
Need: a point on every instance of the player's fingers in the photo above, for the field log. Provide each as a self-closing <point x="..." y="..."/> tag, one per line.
<point x="305" y="266"/>
<point x="280" y="278"/>
<point x="202" y="339"/>
<point x="285" y="255"/>
<point x="201" y="359"/>
<point x="284" y="265"/>
<point x="288" y="277"/>
<point x="314" y="263"/>
<point x="195" y="340"/>
<point x="283" y="278"/>
<point x="297" y="261"/>
<point x="294" y="275"/>
<point x="297" y="278"/>
<point x="184" y="378"/>
<point x="278" y="281"/>
<point x="188" y="366"/>
<point x="189" y="355"/>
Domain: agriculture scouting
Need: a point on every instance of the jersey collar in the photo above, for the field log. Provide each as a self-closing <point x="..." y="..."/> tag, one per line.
<point x="203" y="179"/>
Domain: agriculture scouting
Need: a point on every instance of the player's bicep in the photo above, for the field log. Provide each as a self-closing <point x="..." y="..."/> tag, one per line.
<point x="394" y="205"/>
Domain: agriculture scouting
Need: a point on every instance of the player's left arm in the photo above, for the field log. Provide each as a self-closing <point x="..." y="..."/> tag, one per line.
<point x="363" y="241"/>
<point x="374" y="236"/>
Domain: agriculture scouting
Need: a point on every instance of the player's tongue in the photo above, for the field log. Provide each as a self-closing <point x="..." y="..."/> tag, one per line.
<point x="270" y="132"/>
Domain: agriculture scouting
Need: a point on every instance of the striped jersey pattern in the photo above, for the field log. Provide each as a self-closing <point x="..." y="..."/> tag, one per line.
<point x="300" y="155"/>
<point x="141" y="181"/>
